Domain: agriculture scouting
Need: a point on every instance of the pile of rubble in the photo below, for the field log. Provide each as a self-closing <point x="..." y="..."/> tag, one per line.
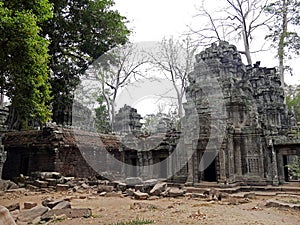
<point x="131" y="186"/>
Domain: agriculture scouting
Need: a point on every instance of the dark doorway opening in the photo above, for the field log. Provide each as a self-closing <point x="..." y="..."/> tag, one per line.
<point x="163" y="168"/>
<point x="285" y="168"/>
<point x="133" y="171"/>
<point x="24" y="165"/>
<point x="209" y="173"/>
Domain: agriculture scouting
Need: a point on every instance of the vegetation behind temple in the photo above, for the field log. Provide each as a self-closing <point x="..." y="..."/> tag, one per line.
<point x="51" y="43"/>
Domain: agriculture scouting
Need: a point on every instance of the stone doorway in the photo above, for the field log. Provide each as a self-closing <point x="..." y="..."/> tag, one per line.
<point x="209" y="174"/>
<point x="133" y="171"/>
<point x="24" y="165"/>
<point x="285" y="169"/>
<point x="163" y="168"/>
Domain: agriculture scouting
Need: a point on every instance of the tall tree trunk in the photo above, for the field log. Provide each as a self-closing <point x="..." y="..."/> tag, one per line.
<point x="282" y="42"/>
<point x="247" y="46"/>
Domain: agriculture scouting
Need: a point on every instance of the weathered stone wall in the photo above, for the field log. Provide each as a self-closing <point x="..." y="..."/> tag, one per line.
<point x="58" y="149"/>
<point x="255" y="114"/>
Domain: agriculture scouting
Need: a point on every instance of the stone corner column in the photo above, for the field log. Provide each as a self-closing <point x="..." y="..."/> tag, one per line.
<point x="3" y="156"/>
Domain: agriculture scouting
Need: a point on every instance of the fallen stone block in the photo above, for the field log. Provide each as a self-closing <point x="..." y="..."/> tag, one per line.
<point x="121" y="186"/>
<point x="5" y="216"/>
<point x="158" y="189"/>
<point x="85" y="186"/>
<point x="13" y="207"/>
<point x="51" y="182"/>
<point x="29" y="205"/>
<point x="103" y="193"/>
<point x="30" y="214"/>
<point x="176" y="192"/>
<point x="47" y="175"/>
<point x="104" y="188"/>
<point x="40" y="184"/>
<point x="7" y="185"/>
<point x="31" y="187"/>
<point x="140" y="195"/>
<point x="62" y="187"/>
<point x="52" y="204"/>
<point x="70" y="213"/>
<point x="151" y="182"/>
<point x="63" y="205"/>
<point x="132" y="181"/>
<point x="129" y="192"/>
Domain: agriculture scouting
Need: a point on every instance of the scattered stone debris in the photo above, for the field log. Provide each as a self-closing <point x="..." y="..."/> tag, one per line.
<point x="29" y="205"/>
<point x="140" y="195"/>
<point x="7" y="185"/>
<point x="28" y="215"/>
<point x="143" y="205"/>
<point x="198" y="215"/>
<point x="70" y="213"/>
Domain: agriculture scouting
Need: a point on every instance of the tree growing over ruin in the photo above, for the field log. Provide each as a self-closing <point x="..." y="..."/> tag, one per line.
<point x="235" y="20"/>
<point x="175" y="60"/>
<point x="114" y="70"/>
<point x="24" y="61"/>
<point x="284" y="33"/>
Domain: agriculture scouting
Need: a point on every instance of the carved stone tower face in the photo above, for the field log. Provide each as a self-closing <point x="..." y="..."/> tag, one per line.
<point x="255" y="112"/>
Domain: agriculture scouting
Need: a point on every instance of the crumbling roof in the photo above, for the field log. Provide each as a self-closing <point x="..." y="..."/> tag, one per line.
<point x="59" y="137"/>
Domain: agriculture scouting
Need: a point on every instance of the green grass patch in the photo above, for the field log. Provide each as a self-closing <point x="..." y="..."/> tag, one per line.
<point x="135" y="222"/>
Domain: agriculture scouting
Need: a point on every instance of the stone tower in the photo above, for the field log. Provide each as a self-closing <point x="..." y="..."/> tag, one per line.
<point x="253" y="113"/>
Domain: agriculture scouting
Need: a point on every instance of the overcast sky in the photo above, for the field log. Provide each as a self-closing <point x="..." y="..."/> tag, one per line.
<point x="151" y="20"/>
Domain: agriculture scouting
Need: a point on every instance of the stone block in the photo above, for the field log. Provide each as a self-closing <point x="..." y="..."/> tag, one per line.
<point x="30" y="214"/>
<point x="13" y="207"/>
<point x="158" y="188"/>
<point x="70" y="213"/>
<point x="52" y="204"/>
<point x="132" y="181"/>
<point x="140" y="195"/>
<point x="51" y="181"/>
<point x="63" y="205"/>
<point x="62" y="187"/>
<point x="40" y="183"/>
<point x="176" y="192"/>
<point x="29" y="205"/>
<point x="105" y="188"/>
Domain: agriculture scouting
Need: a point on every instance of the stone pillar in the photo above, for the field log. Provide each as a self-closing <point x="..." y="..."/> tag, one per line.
<point x="275" y="166"/>
<point x="280" y="168"/>
<point x="140" y="172"/>
<point x="3" y="156"/>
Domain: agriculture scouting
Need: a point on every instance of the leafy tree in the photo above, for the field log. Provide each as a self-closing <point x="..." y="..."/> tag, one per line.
<point x="294" y="167"/>
<point x="293" y="100"/>
<point x="284" y="31"/>
<point x="23" y="61"/>
<point x="80" y="32"/>
<point x="102" y="117"/>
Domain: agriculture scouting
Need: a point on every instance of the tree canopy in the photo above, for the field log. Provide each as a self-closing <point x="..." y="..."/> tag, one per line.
<point x="24" y="61"/>
<point x="47" y="45"/>
<point x="80" y="32"/>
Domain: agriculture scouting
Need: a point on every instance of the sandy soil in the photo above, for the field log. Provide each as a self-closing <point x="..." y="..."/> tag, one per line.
<point x="164" y="211"/>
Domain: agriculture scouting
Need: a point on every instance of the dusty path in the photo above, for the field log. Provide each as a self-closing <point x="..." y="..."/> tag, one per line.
<point x="164" y="211"/>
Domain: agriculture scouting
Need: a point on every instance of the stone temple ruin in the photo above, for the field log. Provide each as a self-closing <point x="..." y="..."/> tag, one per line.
<point x="258" y="140"/>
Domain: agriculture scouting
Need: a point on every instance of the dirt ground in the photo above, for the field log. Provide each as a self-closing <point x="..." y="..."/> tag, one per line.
<point x="164" y="211"/>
